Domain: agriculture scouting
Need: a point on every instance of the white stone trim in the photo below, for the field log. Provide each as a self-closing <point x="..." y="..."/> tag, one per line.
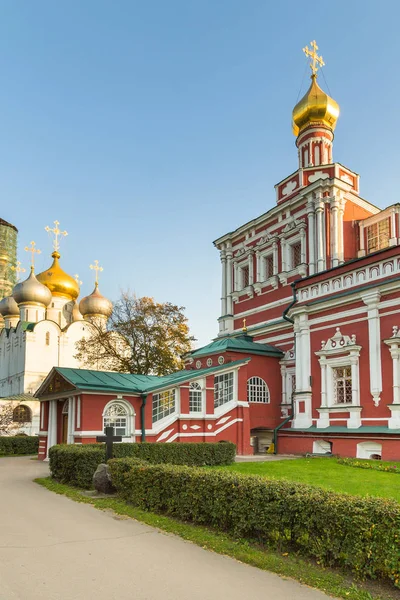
<point x="371" y="299"/>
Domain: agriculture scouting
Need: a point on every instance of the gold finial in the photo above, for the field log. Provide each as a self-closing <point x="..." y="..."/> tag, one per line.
<point x="96" y="268"/>
<point x="57" y="232"/>
<point x="78" y="281"/>
<point x="33" y="251"/>
<point x="316" y="62"/>
<point x="18" y="269"/>
<point x="244" y="328"/>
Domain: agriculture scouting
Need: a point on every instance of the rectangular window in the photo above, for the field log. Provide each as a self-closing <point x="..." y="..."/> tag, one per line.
<point x="119" y="424"/>
<point x="269" y="266"/>
<point x="245" y="276"/>
<point x="163" y="404"/>
<point x="342" y="385"/>
<point x="296" y="255"/>
<point x="378" y="235"/>
<point x="223" y="389"/>
<point x="195" y="398"/>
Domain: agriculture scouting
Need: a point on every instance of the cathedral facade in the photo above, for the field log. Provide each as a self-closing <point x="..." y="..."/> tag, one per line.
<point x="41" y="323"/>
<point x="307" y="356"/>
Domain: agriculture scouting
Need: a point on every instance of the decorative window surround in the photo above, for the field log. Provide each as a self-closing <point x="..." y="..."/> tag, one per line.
<point x="389" y="212"/>
<point x="394" y="347"/>
<point x="371" y="300"/>
<point x="288" y="373"/>
<point x="119" y="408"/>
<point x="339" y="351"/>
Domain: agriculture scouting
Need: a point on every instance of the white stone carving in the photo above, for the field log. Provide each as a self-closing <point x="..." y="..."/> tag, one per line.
<point x="318" y="175"/>
<point x="289" y="188"/>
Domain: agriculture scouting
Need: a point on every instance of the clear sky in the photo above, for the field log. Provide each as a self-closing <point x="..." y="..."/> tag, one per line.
<point x="148" y="129"/>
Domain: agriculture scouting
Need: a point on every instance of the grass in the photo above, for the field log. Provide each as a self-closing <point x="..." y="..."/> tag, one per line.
<point x="332" y="582"/>
<point x="328" y="474"/>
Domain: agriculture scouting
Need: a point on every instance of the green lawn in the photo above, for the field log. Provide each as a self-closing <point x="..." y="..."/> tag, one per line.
<point x="326" y="473"/>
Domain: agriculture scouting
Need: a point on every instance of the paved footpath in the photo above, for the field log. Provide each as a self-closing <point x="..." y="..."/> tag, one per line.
<point x="52" y="548"/>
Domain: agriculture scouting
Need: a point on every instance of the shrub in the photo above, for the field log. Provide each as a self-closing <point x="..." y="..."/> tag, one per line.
<point x="362" y="534"/>
<point x="19" y="445"/>
<point x="76" y="464"/>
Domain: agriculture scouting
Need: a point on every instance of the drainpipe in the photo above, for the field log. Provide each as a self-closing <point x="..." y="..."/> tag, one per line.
<point x="289" y="320"/>
<point x="142" y="417"/>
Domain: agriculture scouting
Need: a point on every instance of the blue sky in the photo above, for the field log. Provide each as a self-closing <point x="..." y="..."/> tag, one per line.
<point x="148" y="129"/>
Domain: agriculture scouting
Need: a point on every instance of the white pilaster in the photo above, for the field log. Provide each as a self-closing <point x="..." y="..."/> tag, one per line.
<point x="394" y="347"/>
<point x="52" y="429"/>
<point x="320" y="210"/>
<point x="371" y="299"/>
<point x="223" y="286"/>
<point x="275" y="257"/>
<point x="251" y="268"/>
<point x="229" y="289"/>
<point x="334" y="232"/>
<point x="71" y="420"/>
<point x="311" y="238"/>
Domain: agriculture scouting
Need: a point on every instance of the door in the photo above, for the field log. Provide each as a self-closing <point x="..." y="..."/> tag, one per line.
<point x="64" y="429"/>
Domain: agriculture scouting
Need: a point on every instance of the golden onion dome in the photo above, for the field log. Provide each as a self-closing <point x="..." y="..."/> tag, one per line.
<point x="58" y="281"/>
<point x="31" y="291"/>
<point x="95" y="305"/>
<point x="8" y="307"/>
<point x="315" y="107"/>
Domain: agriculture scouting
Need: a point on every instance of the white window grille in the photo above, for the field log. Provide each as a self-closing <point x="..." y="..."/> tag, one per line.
<point x="223" y="389"/>
<point x="257" y="390"/>
<point x="116" y="416"/>
<point x="195" y="397"/>
<point x="342" y="385"/>
<point x="378" y="235"/>
<point x="296" y="255"/>
<point x="269" y="266"/>
<point x="245" y="276"/>
<point x="163" y="404"/>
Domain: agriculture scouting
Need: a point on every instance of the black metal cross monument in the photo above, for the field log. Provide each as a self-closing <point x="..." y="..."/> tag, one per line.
<point x="109" y="438"/>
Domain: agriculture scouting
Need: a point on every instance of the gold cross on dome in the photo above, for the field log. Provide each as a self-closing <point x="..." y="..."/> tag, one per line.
<point x="316" y="61"/>
<point x="57" y="232"/>
<point x="33" y="251"/>
<point x="18" y="269"/>
<point x="78" y="281"/>
<point x="244" y="328"/>
<point x="96" y="267"/>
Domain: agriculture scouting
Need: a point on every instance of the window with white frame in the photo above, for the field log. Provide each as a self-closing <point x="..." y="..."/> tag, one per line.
<point x="268" y="266"/>
<point x="223" y="389"/>
<point x="378" y="235"/>
<point x="295" y="255"/>
<point x="163" y="404"/>
<point x="195" y="397"/>
<point x="244" y="276"/>
<point x="116" y="415"/>
<point x="257" y="390"/>
<point x="342" y="389"/>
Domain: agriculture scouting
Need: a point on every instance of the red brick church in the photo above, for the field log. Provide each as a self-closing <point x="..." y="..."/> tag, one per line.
<point x="316" y="369"/>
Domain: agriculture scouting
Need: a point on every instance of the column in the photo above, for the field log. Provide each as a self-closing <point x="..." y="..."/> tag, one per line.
<point x="361" y="251"/>
<point x="223" y="287"/>
<point x="71" y="420"/>
<point x="355" y="393"/>
<point x="303" y="242"/>
<point x="251" y="268"/>
<point x="284" y="390"/>
<point x="324" y="400"/>
<point x="342" y="205"/>
<point x="284" y="257"/>
<point x="320" y="236"/>
<point x="394" y="343"/>
<point x="393" y="233"/>
<point x="235" y="276"/>
<point x="334" y="232"/>
<point x="259" y="276"/>
<point x="52" y="428"/>
<point x="229" y="282"/>
<point x="311" y="238"/>
<point x="374" y="339"/>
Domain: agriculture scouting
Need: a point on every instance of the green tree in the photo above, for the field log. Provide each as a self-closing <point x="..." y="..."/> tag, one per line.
<point x="142" y="336"/>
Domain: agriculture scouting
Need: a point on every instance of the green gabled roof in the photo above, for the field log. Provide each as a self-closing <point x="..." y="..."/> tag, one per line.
<point x="127" y="383"/>
<point x="240" y="343"/>
<point x="343" y="429"/>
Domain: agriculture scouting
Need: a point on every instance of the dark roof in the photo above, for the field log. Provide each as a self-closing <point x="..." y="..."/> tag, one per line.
<point x="127" y="383"/>
<point x="240" y="343"/>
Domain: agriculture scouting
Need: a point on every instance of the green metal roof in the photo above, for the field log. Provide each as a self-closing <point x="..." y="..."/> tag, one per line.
<point x="240" y="343"/>
<point x="112" y="381"/>
<point x="342" y="429"/>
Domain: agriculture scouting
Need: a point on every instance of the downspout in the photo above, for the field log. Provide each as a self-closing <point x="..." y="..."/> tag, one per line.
<point x="142" y="417"/>
<point x="289" y="320"/>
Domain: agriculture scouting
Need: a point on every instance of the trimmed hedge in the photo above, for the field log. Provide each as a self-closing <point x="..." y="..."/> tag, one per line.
<point x="19" y="445"/>
<point x="76" y="464"/>
<point x="361" y="534"/>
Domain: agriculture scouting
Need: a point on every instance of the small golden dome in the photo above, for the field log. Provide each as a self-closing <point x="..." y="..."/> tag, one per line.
<point x="95" y="305"/>
<point x="59" y="282"/>
<point x="315" y="107"/>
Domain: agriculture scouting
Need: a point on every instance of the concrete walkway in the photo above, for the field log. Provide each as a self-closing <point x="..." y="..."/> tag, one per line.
<point x="52" y="548"/>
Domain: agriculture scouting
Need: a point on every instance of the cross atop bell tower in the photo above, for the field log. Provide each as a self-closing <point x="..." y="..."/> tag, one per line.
<point x="316" y="62"/>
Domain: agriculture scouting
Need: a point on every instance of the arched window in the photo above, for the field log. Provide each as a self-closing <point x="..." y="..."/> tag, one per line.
<point x="22" y="414"/>
<point x="257" y="390"/>
<point x="195" y="397"/>
<point x="116" y="415"/>
<point x="47" y="338"/>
